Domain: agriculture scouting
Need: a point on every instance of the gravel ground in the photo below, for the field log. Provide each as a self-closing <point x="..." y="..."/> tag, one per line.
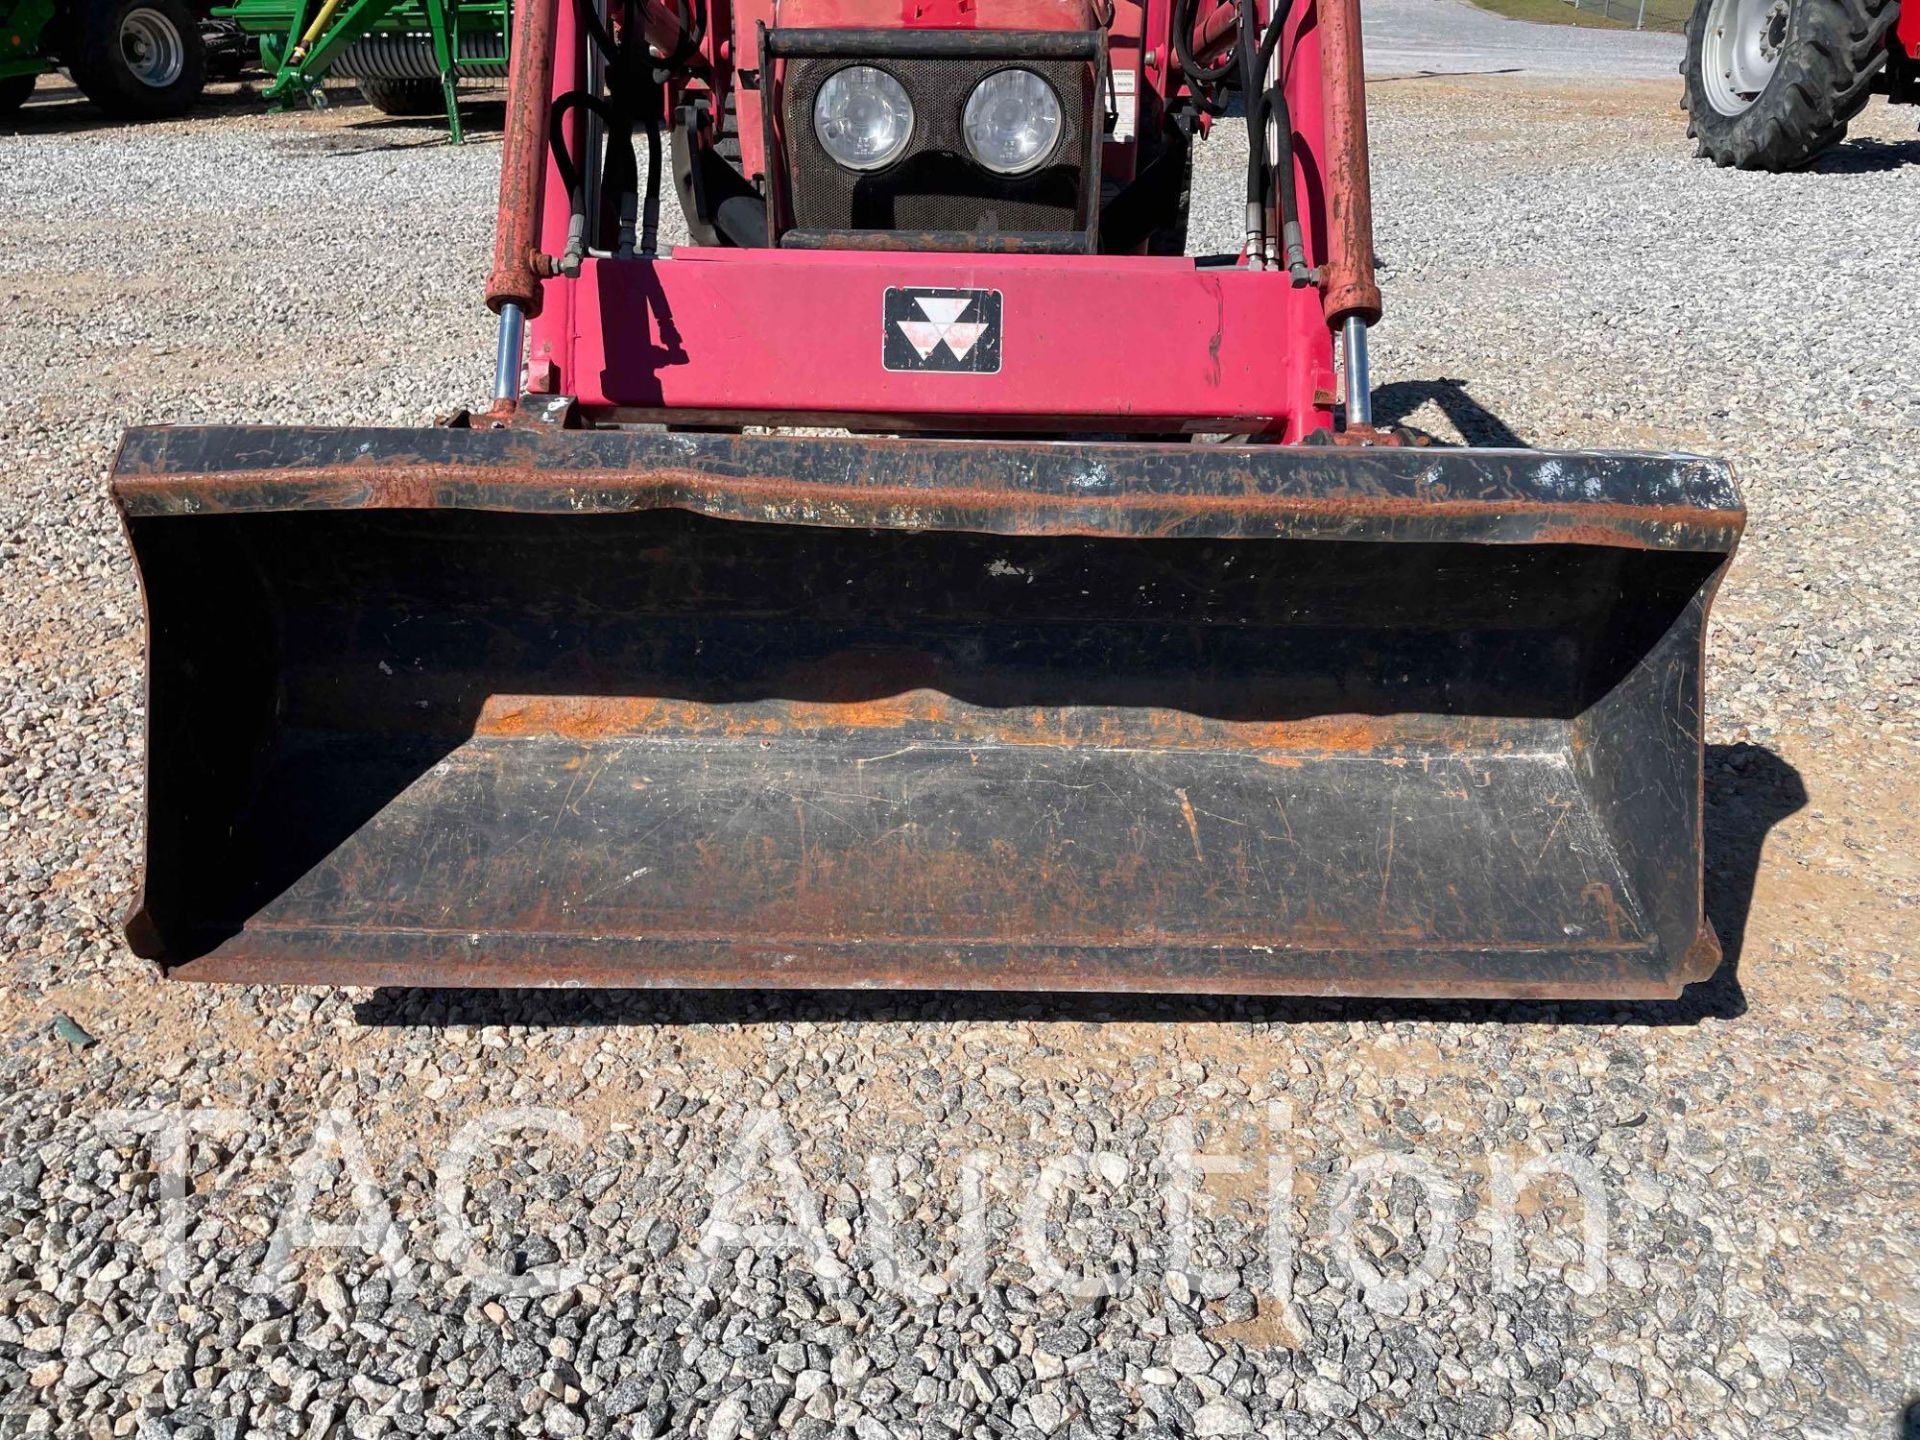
<point x="707" y="1253"/>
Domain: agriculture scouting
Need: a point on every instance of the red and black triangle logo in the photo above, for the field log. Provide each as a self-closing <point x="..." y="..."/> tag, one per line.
<point x="929" y="328"/>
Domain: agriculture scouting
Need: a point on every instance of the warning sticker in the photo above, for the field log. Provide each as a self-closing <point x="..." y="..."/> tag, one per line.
<point x="1125" y="106"/>
<point x="930" y="328"/>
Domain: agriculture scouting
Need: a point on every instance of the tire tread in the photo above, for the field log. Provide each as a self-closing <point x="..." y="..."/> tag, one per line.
<point x="1834" y="50"/>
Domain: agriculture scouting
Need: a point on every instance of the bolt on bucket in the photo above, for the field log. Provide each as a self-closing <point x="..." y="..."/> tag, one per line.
<point x="524" y="707"/>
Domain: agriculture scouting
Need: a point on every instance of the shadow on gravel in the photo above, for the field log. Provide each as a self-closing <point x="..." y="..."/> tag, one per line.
<point x="1867" y="157"/>
<point x="1392" y="404"/>
<point x="1443" y="74"/>
<point x="333" y="144"/>
<point x="1749" y="788"/>
<point x="58" y="108"/>
<point x="482" y="118"/>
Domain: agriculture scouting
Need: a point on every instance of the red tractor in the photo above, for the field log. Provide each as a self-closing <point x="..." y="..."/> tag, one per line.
<point x="931" y="576"/>
<point x="1770" y="84"/>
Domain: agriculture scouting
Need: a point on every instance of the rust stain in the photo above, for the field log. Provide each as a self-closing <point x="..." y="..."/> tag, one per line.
<point x="1193" y="825"/>
<point x="938" y="717"/>
<point x="1348" y="288"/>
<point x="1601" y="897"/>
<point x="523" y="159"/>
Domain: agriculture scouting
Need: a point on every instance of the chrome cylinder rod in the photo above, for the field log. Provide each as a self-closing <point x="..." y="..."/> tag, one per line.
<point x="506" y="357"/>
<point x="1353" y="346"/>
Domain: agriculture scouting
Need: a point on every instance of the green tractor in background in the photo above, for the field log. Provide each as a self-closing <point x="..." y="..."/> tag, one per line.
<point x="407" y="55"/>
<point x="135" y="59"/>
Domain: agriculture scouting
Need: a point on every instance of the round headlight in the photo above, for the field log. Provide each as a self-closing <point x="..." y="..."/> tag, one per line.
<point x="1012" y="121"/>
<point x="863" y="117"/>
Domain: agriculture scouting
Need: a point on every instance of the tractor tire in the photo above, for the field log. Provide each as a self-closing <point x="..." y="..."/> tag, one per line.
<point x="1772" y="83"/>
<point x="14" y="91"/>
<point x="405" y="98"/>
<point x="138" y="59"/>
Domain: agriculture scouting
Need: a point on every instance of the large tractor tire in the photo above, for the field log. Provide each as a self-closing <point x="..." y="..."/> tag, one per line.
<point x="138" y="59"/>
<point x="1772" y="83"/>
<point x="404" y="97"/>
<point x="14" y="91"/>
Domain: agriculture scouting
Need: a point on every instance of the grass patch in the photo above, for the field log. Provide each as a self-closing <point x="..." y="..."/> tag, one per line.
<point x="1594" y="14"/>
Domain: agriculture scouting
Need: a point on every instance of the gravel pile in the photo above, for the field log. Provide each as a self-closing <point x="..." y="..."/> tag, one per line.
<point x="890" y="1217"/>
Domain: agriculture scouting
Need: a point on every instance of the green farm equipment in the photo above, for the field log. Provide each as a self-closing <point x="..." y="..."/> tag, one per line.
<point x="135" y="59"/>
<point x="407" y="55"/>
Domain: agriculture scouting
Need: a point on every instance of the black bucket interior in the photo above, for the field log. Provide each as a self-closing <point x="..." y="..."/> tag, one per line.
<point x="455" y="746"/>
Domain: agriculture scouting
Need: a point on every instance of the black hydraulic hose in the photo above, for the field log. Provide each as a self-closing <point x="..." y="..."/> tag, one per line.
<point x="635" y="95"/>
<point x="622" y="172"/>
<point x="1294" y="246"/>
<point x="1246" y="49"/>
<point x="591" y="23"/>
<point x="1263" y="168"/>
<point x="693" y="29"/>
<point x="1276" y="23"/>
<point x="1273" y="105"/>
<point x="1198" y="75"/>
<point x="651" y="107"/>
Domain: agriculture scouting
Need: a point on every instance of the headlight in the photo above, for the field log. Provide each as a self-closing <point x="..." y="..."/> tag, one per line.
<point x="863" y="117"/>
<point x="1012" y="121"/>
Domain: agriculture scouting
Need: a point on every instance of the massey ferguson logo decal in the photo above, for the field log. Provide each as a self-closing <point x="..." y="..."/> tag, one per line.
<point x="932" y="329"/>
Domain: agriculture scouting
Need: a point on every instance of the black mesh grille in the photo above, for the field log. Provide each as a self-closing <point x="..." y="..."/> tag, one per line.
<point x="937" y="185"/>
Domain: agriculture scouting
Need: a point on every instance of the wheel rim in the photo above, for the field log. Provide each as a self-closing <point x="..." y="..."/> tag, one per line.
<point x="152" y="48"/>
<point x="1741" y="50"/>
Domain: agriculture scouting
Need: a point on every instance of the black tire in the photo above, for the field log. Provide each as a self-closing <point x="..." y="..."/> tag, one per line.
<point x="1829" y="53"/>
<point x="230" y="50"/>
<point x="405" y="97"/>
<point x="106" y="61"/>
<point x="14" y="91"/>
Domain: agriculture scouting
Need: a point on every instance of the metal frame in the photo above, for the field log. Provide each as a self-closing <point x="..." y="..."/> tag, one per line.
<point x="1143" y="345"/>
<point x="1115" y="343"/>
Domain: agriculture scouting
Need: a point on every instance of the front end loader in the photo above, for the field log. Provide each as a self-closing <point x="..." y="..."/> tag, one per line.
<point x="931" y="577"/>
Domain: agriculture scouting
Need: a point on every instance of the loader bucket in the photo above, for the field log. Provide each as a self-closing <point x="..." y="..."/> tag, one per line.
<point x="533" y="706"/>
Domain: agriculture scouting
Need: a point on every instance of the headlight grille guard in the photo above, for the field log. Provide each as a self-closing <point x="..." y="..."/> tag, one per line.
<point x="861" y="45"/>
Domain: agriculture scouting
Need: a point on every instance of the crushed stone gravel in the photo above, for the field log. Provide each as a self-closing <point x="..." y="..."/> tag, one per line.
<point x="1558" y="272"/>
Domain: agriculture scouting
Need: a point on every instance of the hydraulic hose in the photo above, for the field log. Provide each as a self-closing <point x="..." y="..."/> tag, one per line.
<point x="1273" y="106"/>
<point x="1246" y="49"/>
<point x="1257" y="55"/>
<point x="634" y="95"/>
<point x="1201" y="77"/>
<point x="622" y="172"/>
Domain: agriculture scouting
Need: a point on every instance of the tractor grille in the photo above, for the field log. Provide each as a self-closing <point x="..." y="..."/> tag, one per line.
<point x="937" y="186"/>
